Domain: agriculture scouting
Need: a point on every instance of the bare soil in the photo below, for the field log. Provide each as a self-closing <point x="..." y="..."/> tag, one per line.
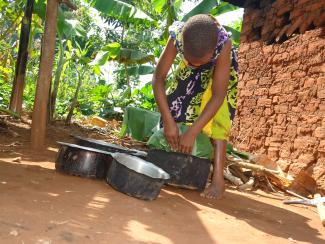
<point x="39" y="205"/>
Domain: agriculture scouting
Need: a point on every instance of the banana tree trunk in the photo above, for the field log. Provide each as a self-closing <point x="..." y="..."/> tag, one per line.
<point x="44" y="77"/>
<point x="16" y="100"/>
<point x="57" y="78"/>
<point x="74" y="100"/>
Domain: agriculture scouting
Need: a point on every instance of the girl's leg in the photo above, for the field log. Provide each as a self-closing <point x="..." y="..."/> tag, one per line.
<point x="217" y="187"/>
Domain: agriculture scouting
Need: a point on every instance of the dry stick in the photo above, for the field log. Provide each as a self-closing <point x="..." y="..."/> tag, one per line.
<point x="296" y="195"/>
<point x="269" y="184"/>
<point x="235" y="180"/>
<point x="236" y="171"/>
<point x="248" y="184"/>
<point x="251" y="166"/>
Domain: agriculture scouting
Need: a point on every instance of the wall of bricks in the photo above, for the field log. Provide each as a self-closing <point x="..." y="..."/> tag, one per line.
<point x="281" y="98"/>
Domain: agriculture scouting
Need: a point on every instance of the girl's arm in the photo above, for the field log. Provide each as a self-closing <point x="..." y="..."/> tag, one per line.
<point x="158" y="83"/>
<point x="220" y="84"/>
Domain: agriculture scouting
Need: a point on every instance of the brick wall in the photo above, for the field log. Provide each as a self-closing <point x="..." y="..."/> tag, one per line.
<point x="281" y="99"/>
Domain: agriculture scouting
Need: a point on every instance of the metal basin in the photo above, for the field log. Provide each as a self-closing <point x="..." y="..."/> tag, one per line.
<point x="136" y="177"/>
<point x="82" y="161"/>
<point x="185" y="170"/>
<point x="141" y="166"/>
<point x="109" y="147"/>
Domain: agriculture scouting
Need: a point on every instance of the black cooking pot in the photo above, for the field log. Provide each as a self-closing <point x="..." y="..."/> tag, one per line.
<point x="109" y="147"/>
<point x="185" y="170"/>
<point x="82" y="161"/>
<point x="135" y="177"/>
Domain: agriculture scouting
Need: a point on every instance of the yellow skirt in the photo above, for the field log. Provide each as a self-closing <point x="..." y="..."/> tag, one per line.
<point x="218" y="128"/>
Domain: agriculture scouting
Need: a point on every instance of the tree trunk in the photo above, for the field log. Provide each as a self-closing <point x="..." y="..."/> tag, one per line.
<point x="74" y="101"/>
<point x="44" y="76"/>
<point x="57" y="78"/>
<point x="16" y="99"/>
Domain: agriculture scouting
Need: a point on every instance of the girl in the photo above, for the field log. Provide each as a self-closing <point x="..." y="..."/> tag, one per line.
<point x="203" y="91"/>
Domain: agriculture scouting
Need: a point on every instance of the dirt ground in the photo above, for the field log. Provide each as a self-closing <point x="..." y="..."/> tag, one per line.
<point x="39" y="205"/>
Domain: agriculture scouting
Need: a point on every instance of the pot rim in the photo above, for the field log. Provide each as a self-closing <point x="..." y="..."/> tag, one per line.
<point x="141" y="166"/>
<point x="100" y="142"/>
<point x="89" y="149"/>
<point x="111" y="145"/>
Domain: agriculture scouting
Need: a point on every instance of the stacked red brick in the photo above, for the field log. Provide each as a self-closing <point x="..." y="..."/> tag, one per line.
<point x="281" y="104"/>
<point x="274" y="20"/>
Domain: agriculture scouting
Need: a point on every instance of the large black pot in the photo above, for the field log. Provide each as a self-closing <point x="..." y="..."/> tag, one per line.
<point x="185" y="170"/>
<point x="82" y="161"/>
<point x="109" y="147"/>
<point x="135" y="177"/>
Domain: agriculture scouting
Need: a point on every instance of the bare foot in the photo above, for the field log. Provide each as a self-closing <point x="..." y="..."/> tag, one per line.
<point x="214" y="191"/>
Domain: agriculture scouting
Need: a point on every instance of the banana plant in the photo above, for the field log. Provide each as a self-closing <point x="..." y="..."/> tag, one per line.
<point x="120" y="10"/>
<point x="138" y="70"/>
<point x="67" y="30"/>
<point x="126" y="57"/>
<point x="115" y="52"/>
<point x="204" y="7"/>
<point x="65" y="26"/>
<point x="81" y="55"/>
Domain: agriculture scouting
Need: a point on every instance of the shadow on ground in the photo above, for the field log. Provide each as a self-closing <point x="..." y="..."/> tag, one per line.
<point x="41" y="204"/>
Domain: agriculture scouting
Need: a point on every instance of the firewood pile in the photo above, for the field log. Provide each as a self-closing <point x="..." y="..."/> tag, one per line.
<point x="260" y="172"/>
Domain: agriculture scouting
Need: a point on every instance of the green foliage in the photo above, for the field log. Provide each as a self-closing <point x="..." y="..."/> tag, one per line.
<point x="112" y="45"/>
<point x="119" y="9"/>
<point x="223" y="8"/>
<point x="5" y="89"/>
<point x="203" y="7"/>
<point x="144" y="98"/>
<point x="202" y="146"/>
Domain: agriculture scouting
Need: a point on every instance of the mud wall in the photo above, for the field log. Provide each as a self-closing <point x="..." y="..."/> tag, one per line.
<point x="281" y="98"/>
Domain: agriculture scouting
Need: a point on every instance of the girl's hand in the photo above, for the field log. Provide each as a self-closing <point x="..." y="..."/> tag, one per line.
<point x="171" y="132"/>
<point x="186" y="141"/>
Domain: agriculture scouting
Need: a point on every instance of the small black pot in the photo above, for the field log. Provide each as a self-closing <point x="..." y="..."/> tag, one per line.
<point x="109" y="147"/>
<point x="185" y="170"/>
<point x="135" y="177"/>
<point x="82" y="161"/>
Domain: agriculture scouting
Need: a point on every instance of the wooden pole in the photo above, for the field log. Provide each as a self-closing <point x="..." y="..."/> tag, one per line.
<point x="44" y="76"/>
<point x="16" y="100"/>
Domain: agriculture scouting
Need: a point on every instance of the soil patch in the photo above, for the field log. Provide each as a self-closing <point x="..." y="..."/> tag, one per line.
<point x="39" y="205"/>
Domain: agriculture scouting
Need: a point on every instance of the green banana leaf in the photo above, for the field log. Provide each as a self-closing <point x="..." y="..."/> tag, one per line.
<point x="202" y="146"/>
<point x="204" y="7"/>
<point x="70" y="27"/>
<point x="159" y="5"/>
<point x="137" y="70"/>
<point x="139" y="123"/>
<point x="115" y="52"/>
<point x="131" y="56"/>
<point x="222" y="8"/>
<point x="119" y="9"/>
<point x="109" y="52"/>
<point x="67" y="27"/>
<point x="233" y="151"/>
<point x="235" y="33"/>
